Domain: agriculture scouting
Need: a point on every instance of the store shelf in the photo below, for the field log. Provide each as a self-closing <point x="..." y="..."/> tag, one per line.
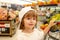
<point x="5" y="34"/>
<point x="48" y="5"/>
<point x="7" y="28"/>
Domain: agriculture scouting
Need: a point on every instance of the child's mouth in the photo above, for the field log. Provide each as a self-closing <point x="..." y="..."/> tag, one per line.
<point x="31" y="24"/>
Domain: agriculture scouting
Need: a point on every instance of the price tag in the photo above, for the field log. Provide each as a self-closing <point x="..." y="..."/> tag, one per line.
<point x="2" y="25"/>
<point x="7" y="25"/>
<point x="3" y="29"/>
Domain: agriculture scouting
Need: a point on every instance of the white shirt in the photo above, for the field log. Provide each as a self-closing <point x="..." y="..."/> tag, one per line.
<point x="35" y="35"/>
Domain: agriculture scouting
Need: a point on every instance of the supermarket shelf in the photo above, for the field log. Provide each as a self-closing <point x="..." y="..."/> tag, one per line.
<point x="48" y="5"/>
<point x="7" y="28"/>
<point x="5" y="34"/>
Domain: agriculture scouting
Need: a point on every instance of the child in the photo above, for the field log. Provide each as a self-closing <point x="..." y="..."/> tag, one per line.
<point x="28" y="20"/>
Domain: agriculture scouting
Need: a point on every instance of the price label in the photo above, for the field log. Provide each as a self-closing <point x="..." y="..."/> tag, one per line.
<point x="3" y="29"/>
<point x="7" y="25"/>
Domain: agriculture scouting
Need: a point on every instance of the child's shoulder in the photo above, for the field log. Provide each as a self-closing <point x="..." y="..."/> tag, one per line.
<point x="19" y="30"/>
<point x="38" y="31"/>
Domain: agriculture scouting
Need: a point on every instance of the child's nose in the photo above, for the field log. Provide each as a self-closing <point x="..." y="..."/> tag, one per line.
<point x="31" y="20"/>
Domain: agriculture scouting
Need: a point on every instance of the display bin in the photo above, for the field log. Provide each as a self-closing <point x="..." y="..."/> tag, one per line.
<point x="7" y="27"/>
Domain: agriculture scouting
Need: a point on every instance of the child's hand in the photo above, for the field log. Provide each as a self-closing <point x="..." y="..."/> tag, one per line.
<point x="51" y="23"/>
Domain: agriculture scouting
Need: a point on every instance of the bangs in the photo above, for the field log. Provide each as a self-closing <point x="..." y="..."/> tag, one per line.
<point x="31" y="13"/>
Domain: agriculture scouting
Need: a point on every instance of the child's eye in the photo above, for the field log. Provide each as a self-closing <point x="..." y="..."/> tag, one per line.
<point x="28" y="18"/>
<point x="34" y="18"/>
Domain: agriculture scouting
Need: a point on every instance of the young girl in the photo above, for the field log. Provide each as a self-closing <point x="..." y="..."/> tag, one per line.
<point x="28" y="20"/>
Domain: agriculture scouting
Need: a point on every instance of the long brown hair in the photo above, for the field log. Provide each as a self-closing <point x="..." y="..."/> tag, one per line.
<point x="30" y="13"/>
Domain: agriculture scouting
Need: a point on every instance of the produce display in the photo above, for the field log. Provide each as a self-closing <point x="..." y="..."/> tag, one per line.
<point x="9" y="19"/>
<point x="50" y="13"/>
<point x="57" y="26"/>
<point x="43" y="26"/>
<point x="9" y="11"/>
<point x="3" y="14"/>
<point x="56" y="16"/>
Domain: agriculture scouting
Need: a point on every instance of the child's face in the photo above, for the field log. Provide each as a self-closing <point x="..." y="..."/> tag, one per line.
<point x="29" y="22"/>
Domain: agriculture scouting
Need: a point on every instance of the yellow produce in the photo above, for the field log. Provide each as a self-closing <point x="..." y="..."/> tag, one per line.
<point x="46" y="25"/>
<point x="43" y="26"/>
